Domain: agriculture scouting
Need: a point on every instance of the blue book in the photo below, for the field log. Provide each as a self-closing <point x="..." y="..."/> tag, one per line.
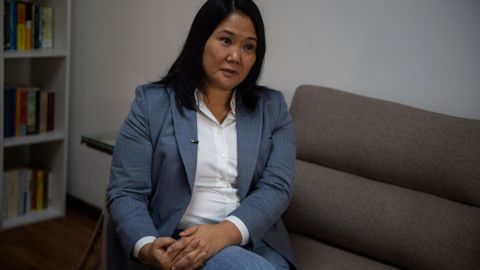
<point x="10" y="110"/>
<point x="12" y="24"/>
<point x="6" y="34"/>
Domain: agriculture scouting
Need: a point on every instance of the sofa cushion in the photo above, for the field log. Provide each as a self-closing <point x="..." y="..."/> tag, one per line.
<point x="393" y="224"/>
<point x="313" y="254"/>
<point x="390" y="142"/>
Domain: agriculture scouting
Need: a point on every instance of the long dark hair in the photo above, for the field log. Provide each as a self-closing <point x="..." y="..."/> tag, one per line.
<point x="187" y="73"/>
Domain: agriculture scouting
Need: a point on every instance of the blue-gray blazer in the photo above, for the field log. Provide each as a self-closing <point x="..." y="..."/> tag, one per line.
<point x="154" y="164"/>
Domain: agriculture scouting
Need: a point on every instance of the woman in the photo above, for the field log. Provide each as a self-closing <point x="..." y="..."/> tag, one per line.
<point x="203" y="165"/>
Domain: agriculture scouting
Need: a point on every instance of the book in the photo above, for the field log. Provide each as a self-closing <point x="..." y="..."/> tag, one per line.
<point x="21" y="21"/>
<point x="22" y="111"/>
<point x="50" y="111"/>
<point x="33" y="190"/>
<point x="24" y="175"/>
<point x="31" y="110"/>
<point x="10" y="93"/>
<point x="6" y="21"/>
<point x="17" y="112"/>
<point x="43" y="111"/>
<point x="46" y="17"/>
<point x="37" y="25"/>
<point x="12" y="190"/>
<point x="12" y="24"/>
<point x="46" y="190"/>
<point x="40" y="182"/>
<point x="28" y="26"/>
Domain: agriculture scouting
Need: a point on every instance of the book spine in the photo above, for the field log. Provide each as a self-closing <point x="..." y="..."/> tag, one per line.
<point x="21" y="20"/>
<point x="47" y="27"/>
<point x="12" y="24"/>
<point x="37" y="112"/>
<point x="22" y="192"/>
<point x="40" y="176"/>
<point x="28" y="193"/>
<point x="6" y="21"/>
<point x="46" y="191"/>
<point x="33" y="190"/>
<point x="12" y="195"/>
<point x="5" y="195"/>
<point x="28" y="26"/>
<point x="23" y="112"/>
<point x="37" y="26"/>
<point x="50" y="111"/>
<point x="31" y="108"/>
<point x="17" y="111"/>
<point x="43" y="111"/>
<point x="9" y="113"/>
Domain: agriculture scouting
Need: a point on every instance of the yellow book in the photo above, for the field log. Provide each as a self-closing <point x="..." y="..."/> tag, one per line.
<point x="28" y="35"/>
<point x="40" y="176"/>
<point x="21" y="25"/>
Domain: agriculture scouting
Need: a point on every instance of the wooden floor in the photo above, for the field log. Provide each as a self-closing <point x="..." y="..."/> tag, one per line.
<point x="50" y="245"/>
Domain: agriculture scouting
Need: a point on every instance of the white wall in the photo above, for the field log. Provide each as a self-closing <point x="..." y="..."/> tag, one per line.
<point x="423" y="53"/>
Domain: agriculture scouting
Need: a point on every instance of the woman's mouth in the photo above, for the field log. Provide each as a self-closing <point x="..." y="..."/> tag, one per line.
<point x="229" y="71"/>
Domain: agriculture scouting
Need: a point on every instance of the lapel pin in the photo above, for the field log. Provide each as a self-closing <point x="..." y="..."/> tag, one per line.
<point x="194" y="141"/>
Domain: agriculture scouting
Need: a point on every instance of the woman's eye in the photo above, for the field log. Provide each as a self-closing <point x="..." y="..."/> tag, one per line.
<point x="226" y="40"/>
<point x="250" y="47"/>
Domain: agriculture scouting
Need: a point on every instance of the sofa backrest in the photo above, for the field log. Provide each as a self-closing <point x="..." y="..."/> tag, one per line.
<point x="386" y="180"/>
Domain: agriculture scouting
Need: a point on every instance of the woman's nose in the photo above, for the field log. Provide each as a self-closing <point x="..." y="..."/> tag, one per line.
<point x="234" y="55"/>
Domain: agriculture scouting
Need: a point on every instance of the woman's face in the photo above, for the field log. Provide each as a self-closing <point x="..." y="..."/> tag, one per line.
<point x="230" y="52"/>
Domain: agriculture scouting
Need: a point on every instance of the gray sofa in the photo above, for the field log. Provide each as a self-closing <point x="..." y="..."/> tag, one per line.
<point x="380" y="185"/>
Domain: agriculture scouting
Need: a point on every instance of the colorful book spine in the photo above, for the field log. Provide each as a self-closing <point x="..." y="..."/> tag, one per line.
<point x="21" y="21"/>
<point x="28" y="25"/>
<point x="40" y="182"/>
<point x="37" y="26"/>
<point x="12" y="24"/>
<point x="22" y="128"/>
<point x="9" y="111"/>
<point x="50" y="111"/>
<point x="12" y="194"/>
<point x="31" y="110"/>
<point x="33" y="191"/>
<point x="43" y="111"/>
<point x="6" y="21"/>
<point x="17" y="112"/>
<point x="47" y="27"/>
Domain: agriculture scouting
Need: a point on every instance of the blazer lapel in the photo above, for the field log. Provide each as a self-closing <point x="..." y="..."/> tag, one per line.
<point x="187" y="138"/>
<point x="249" y="127"/>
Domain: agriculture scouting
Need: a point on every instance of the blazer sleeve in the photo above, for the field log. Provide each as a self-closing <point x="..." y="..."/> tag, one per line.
<point x="271" y="194"/>
<point x="130" y="177"/>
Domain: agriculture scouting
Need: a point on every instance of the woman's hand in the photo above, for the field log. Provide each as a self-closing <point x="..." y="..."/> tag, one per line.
<point x="156" y="254"/>
<point x="212" y="239"/>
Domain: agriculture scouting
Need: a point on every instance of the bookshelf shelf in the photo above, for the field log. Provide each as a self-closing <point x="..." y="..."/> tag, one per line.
<point x="23" y="71"/>
<point x="35" y="54"/>
<point x="31" y="218"/>
<point x="33" y="139"/>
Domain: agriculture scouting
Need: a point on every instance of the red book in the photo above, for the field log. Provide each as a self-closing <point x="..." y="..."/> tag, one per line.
<point x="23" y="111"/>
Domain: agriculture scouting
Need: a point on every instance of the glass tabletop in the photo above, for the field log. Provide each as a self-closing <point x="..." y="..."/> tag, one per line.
<point x="103" y="142"/>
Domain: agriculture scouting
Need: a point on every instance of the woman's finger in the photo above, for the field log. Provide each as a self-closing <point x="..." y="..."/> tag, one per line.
<point x="188" y="231"/>
<point x="162" y="242"/>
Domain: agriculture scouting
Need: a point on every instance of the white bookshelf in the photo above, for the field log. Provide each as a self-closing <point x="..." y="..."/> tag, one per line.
<point x="49" y="70"/>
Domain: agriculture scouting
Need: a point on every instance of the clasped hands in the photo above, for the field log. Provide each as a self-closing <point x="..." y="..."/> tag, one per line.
<point x="196" y="245"/>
